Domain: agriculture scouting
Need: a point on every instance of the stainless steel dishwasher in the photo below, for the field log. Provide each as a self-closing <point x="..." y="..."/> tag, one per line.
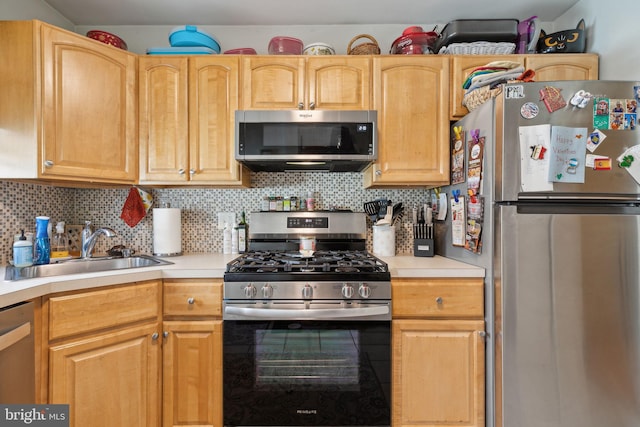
<point x="17" y="354"/>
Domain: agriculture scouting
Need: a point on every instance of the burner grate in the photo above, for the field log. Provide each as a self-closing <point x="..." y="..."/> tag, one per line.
<point x="321" y="261"/>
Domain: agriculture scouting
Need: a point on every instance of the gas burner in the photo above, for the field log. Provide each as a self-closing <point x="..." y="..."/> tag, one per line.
<point x="328" y="262"/>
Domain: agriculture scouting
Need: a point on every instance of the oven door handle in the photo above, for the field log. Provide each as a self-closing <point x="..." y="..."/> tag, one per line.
<point x="311" y="313"/>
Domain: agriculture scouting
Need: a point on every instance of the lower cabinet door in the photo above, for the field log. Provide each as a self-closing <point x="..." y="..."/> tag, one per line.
<point x="111" y="379"/>
<point x="438" y="373"/>
<point x="192" y="373"/>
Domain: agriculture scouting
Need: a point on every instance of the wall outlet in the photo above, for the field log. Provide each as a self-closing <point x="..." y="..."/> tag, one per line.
<point x="226" y="217"/>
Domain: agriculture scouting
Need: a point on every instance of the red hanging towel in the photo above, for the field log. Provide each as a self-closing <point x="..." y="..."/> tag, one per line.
<point x="133" y="210"/>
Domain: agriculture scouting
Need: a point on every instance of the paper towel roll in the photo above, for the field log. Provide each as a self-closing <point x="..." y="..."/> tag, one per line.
<point x="167" y="232"/>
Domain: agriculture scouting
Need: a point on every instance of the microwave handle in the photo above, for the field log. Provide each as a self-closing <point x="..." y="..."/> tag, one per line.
<point x="322" y="313"/>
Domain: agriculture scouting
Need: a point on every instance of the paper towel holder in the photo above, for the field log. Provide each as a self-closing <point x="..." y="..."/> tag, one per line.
<point x="167" y="239"/>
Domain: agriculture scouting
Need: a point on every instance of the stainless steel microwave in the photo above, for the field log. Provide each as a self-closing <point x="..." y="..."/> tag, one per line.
<point x="306" y="140"/>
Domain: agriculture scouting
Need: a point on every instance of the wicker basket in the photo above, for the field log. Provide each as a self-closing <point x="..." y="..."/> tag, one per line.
<point x="479" y="96"/>
<point x="368" y="48"/>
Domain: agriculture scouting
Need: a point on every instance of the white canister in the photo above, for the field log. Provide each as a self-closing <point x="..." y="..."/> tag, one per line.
<point x="384" y="240"/>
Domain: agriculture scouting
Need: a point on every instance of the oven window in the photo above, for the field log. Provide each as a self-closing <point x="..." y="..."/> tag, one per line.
<point x="306" y="373"/>
<point x="307" y="357"/>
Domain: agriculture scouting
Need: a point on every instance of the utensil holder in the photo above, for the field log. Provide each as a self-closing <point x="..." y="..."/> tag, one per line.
<point x="423" y="247"/>
<point x="384" y="240"/>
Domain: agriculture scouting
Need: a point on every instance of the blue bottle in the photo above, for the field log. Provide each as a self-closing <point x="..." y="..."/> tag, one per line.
<point x="42" y="245"/>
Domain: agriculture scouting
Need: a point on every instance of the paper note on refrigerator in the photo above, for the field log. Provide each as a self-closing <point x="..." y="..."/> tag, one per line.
<point x="534" y="158"/>
<point x="568" y="154"/>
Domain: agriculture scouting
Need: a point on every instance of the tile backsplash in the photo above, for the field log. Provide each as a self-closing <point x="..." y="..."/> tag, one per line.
<point x="21" y="202"/>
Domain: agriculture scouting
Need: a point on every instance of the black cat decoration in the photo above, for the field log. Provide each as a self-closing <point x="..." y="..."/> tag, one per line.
<point x="568" y="41"/>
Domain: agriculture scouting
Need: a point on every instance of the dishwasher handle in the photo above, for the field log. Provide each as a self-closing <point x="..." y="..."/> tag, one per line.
<point x="13" y="336"/>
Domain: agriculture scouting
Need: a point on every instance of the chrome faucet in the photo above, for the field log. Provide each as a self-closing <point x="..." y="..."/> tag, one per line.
<point x="89" y="239"/>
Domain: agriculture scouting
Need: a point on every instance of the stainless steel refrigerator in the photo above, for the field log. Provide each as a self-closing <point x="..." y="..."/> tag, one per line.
<point x="560" y="244"/>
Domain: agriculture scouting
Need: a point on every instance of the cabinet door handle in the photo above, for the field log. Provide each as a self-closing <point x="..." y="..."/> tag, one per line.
<point x="191" y="300"/>
<point x="10" y="338"/>
<point x="165" y="334"/>
<point x="378" y="172"/>
<point x="439" y="300"/>
<point x="300" y="106"/>
<point x="48" y="163"/>
<point x="181" y="171"/>
<point x="312" y="105"/>
<point x="192" y="172"/>
<point x="155" y="336"/>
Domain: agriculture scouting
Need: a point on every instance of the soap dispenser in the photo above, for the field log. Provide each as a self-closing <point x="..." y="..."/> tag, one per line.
<point x="22" y="252"/>
<point x="60" y="244"/>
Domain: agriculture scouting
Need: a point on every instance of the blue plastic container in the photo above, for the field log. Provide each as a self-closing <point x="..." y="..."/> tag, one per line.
<point x="187" y="50"/>
<point x="190" y="36"/>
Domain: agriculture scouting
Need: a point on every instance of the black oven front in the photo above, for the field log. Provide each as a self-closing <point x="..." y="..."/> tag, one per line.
<point x="307" y="372"/>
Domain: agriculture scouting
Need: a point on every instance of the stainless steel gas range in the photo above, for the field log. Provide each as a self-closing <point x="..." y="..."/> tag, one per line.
<point x="307" y="333"/>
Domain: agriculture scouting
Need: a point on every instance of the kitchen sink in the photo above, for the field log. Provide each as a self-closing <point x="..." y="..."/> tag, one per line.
<point x="80" y="266"/>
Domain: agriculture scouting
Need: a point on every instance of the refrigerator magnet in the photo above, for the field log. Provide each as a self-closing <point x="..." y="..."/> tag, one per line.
<point x="552" y="98"/>
<point x="458" y="232"/>
<point x="529" y="110"/>
<point x="598" y="162"/>
<point x="457" y="156"/>
<point x="629" y="161"/>
<point x="596" y="138"/>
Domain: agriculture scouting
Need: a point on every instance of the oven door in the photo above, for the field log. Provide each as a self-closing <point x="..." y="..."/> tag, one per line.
<point x="307" y="373"/>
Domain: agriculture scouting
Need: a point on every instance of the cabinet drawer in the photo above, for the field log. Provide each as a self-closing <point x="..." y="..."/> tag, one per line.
<point x="83" y="312"/>
<point x="438" y="298"/>
<point x="193" y="297"/>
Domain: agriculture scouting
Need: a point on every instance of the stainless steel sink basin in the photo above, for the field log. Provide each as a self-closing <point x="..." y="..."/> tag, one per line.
<point x="79" y="266"/>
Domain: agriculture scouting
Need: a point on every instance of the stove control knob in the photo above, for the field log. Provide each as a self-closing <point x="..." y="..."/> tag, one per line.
<point x="307" y="292"/>
<point x="364" y="290"/>
<point x="267" y="291"/>
<point x="250" y="291"/>
<point x="347" y="291"/>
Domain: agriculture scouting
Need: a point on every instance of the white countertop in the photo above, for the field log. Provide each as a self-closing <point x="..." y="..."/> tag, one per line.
<point x="208" y="266"/>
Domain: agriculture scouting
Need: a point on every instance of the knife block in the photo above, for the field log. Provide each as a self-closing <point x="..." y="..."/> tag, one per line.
<point x="423" y="247"/>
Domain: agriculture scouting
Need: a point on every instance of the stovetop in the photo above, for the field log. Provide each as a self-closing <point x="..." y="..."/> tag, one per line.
<point x="291" y="265"/>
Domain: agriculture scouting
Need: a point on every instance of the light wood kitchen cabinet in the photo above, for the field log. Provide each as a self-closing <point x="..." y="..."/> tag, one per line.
<point x="567" y="66"/>
<point x="192" y="354"/>
<point x="547" y="67"/>
<point x="187" y="121"/>
<point x="438" y="352"/>
<point x="306" y="83"/>
<point x="67" y="107"/>
<point x="411" y="93"/>
<point x="104" y="354"/>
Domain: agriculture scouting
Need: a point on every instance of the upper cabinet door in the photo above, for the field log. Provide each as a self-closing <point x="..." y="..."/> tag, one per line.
<point x="338" y="83"/>
<point x="213" y="100"/>
<point x="273" y="82"/>
<point x="89" y="109"/>
<point x="567" y="66"/>
<point x="164" y="118"/>
<point x="411" y="96"/>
